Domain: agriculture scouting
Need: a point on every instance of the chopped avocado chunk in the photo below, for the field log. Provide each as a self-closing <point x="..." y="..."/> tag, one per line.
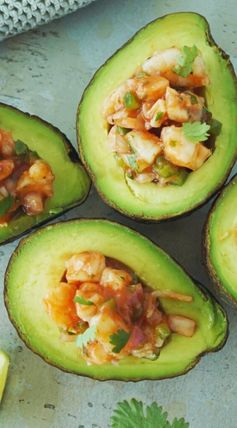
<point x="4" y="364"/>
<point x="49" y="248"/>
<point x="193" y="98"/>
<point x="163" y="331"/>
<point x="36" y="136"/>
<point x="122" y="131"/>
<point x="180" y="177"/>
<point x="131" y="101"/>
<point x="132" y="161"/>
<point x="21" y="148"/>
<point x="159" y="115"/>
<point x="221" y="240"/>
<point x="6" y="204"/>
<point x="165" y="168"/>
<point x="215" y="127"/>
<point x="149" y="201"/>
<point x="83" y="301"/>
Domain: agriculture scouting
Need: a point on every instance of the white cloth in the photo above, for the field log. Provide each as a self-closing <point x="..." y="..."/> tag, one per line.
<point x="21" y="15"/>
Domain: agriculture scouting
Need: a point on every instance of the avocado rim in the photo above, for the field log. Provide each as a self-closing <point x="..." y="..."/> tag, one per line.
<point x="74" y="158"/>
<point x="201" y="287"/>
<point x="212" y="192"/>
<point x="206" y="246"/>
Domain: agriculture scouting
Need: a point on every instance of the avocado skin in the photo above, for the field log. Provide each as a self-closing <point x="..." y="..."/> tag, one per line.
<point x="206" y="293"/>
<point x="73" y="157"/>
<point x="206" y="246"/>
<point x="167" y="217"/>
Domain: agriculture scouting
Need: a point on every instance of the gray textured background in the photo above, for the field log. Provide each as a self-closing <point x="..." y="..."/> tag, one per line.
<point x="45" y="72"/>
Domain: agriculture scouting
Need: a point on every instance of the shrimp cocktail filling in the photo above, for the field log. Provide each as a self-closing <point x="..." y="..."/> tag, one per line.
<point x="26" y="181"/>
<point x="158" y="123"/>
<point x="102" y="306"/>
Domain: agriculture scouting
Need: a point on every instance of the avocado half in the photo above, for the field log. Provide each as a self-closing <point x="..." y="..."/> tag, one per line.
<point x="71" y="184"/>
<point x="150" y="201"/>
<point x="221" y="240"/>
<point x="37" y="266"/>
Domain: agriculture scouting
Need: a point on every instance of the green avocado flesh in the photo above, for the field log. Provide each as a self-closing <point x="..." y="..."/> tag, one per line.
<point x="37" y="266"/>
<point x="4" y="364"/>
<point x="221" y="240"/>
<point x="71" y="184"/>
<point x="149" y="200"/>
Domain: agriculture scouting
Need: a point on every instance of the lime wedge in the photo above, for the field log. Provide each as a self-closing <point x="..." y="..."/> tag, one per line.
<point x="4" y="363"/>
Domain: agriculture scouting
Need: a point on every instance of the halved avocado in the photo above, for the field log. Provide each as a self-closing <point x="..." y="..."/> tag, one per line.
<point x="221" y="240"/>
<point x="37" y="266"/>
<point x="71" y="184"/>
<point x="151" y="201"/>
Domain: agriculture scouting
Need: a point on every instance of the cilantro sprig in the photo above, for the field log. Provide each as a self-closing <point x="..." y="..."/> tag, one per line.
<point x="134" y="414"/>
<point x="196" y="131"/>
<point x="82" y="301"/>
<point x="88" y="336"/>
<point x="119" y="340"/>
<point x="186" y="60"/>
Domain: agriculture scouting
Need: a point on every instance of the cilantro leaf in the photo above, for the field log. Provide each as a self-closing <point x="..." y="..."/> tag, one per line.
<point x="133" y="415"/>
<point x="179" y="423"/>
<point x="21" y="148"/>
<point x="82" y="301"/>
<point x="119" y="340"/>
<point x="196" y="131"/>
<point x="86" y="337"/>
<point x="186" y="60"/>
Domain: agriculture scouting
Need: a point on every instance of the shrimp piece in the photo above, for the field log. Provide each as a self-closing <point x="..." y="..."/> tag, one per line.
<point x="146" y="145"/>
<point x="6" y="168"/>
<point x="114" y="102"/>
<point x="38" y="178"/>
<point x="117" y="141"/>
<point x="117" y="117"/>
<point x="33" y="203"/>
<point x="151" y="87"/>
<point x="7" y="145"/>
<point x="92" y="293"/>
<point x="182" y="152"/>
<point x="85" y="266"/>
<point x="146" y="177"/>
<point x="183" y="107"/>
<point x="60" y="306"/>
<point x="154" y="114"/>
<point x="107" y="322"/>
<point x="95" y="353"/>
<point x="146" y="351"/>
<point x="137" y="123"/>
<point x="115" y="278"/>
<point x="164" y="62"/>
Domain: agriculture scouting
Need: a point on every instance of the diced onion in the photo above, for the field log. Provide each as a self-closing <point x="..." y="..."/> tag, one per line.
<point x="182" y="325"/>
